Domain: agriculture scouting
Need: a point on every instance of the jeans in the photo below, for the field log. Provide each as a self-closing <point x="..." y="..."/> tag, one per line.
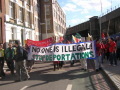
<point x="98" y="62"/>
<point x="113" y="58"/>
<point x="21" y="70"/>
<point x="1" y="66"/>
<point x="10" y="64"/>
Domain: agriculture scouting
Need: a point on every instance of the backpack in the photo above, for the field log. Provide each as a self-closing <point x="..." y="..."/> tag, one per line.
<point x="25" y="54"/>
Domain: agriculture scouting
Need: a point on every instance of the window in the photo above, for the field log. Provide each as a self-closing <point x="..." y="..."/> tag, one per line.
<point x="54" y="13"/>
<point x="22" y="37"/>
<point x="48" y="24"/>
<point x="21" y="14"/>
<point x="46" y="0"/>
<point x="35" y="21"/>
<point x="12" y="10"/>
<point x="13" y="36"/>
<point x="30" y="35"/>
<point x="36" y="7"/>
<point x="28" y="17"/>
<point x="28" y="2"/>
<point x="47" y="9"/>
<point x="0" y="6"/>
<point x="0" y="30"/>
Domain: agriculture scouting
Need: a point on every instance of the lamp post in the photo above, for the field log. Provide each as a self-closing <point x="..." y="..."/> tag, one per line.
<point x="45" y="6"/>
<point x="41" y="29"/>
<point x="45" y="21"/>
<point x="100" y="18"/>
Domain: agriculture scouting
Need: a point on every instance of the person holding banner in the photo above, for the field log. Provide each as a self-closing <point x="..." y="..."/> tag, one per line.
<point x="83" y="61"/>
<point x="98" y="60"/>
<point x="83" y="64"/>
<point x="29" y="63"/>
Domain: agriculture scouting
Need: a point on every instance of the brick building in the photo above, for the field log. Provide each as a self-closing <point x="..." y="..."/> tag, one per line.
<point x="54" y="19"/>
<point x="2" y="15"/>
<point x="21" y="20"/>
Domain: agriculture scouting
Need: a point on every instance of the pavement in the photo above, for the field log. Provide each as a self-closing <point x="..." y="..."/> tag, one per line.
<point x="113" y="72"/>
<point x="43" y="76"/>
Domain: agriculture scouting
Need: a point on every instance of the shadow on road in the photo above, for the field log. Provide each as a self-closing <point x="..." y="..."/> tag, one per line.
<point x="97" y="79"/>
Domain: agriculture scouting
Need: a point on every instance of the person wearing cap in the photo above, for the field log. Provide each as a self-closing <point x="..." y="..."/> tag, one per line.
<point x="20" y="64"/>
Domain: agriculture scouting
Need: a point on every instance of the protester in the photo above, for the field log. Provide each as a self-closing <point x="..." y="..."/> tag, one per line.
<point x="118" y="48"/>
<point x="103" y="49"/>
<point x="112" y="50"/>
<point x="61" y="64"/>
<point x="9" y="53"/>
<point x="107" y="49"/>
<point x="2" y="74"/>
<point x="29" y="63"/>
<point x="98" y="59"/>
<point x="72" y="63"/>
<point x="56" y="65"/>
<point x="20" y="64"/>
<point x="83" y="64"/>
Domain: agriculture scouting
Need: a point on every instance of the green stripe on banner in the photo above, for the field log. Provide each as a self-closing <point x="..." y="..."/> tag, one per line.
<point x="64" y="57"/>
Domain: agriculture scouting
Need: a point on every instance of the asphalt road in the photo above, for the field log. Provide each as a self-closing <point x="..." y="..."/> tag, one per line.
<point x="68" y="78"/>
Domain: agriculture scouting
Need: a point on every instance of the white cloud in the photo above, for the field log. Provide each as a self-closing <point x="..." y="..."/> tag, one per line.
<point x="71" y="7"/>
<point x="92" y="4"/>
<point x="74" y="21"/>
<point x="84" y="11"/>
<point x="88" y="16"/>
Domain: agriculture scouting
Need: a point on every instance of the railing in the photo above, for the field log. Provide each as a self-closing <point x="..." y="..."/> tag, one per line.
<point x="110" y="10"/>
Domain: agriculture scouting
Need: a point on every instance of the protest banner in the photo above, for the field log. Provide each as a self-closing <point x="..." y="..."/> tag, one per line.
<point x="42" y="43"/>
<point x="63" y="52"/>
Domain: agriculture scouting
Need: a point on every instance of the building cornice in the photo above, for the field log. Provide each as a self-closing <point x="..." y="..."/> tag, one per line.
<point x="19" y="25"/>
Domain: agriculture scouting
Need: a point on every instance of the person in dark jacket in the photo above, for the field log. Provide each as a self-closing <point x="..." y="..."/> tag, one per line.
<point x="9" y="53"/>
<point x="20" y="63"/>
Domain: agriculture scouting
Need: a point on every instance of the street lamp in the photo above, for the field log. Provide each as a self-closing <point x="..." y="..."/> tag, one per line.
<point x="46" y="17"/>
<point x="41" y="29"/>
<point x="100" y="19"/>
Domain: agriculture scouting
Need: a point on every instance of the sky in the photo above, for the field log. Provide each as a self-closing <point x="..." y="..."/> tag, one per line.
<point x="79" y="11"/>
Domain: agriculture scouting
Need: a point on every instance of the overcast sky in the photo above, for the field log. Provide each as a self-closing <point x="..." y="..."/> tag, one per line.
<point x="78" y="11"/>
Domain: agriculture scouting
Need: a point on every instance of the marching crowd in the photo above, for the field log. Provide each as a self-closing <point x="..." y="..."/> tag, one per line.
<point x="106" y="49"/>
<point x="16" y="58"/>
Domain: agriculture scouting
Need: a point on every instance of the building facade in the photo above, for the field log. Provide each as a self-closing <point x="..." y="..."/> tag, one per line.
<point x="20" y="20"/>
<point x="53" y="19"/>
<point x="2" y="28"/>
<point x="36" y="14"/>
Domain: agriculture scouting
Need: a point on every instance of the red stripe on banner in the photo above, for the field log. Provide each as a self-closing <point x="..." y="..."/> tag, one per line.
<point x="42" y="43"/>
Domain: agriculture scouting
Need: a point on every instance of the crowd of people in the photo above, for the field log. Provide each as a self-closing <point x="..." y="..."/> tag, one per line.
<point x="15" y="57"/>
<point x="16" y="61"/>
<point x="107" y="49"/>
